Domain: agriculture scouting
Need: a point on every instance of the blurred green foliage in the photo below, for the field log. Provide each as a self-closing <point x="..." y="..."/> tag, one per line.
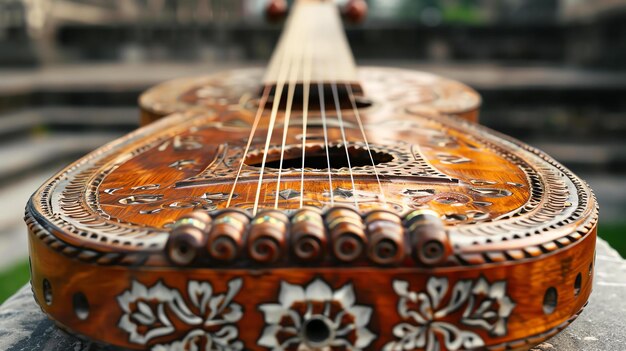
<point x="13" y="278"/>
<point x="615" y="235"/>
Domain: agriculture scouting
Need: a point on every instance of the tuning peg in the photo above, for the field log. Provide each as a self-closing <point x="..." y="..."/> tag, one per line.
<point x="267" y="237"/>
<point x="188" y="237"/>
<point x="347" y="233"/>
<point x="276" y="10"/>
<point x="385" y="237"/>
<point x="429" y="237"/>
<point x="308" y="236"/>
<point x="355" y="10"/>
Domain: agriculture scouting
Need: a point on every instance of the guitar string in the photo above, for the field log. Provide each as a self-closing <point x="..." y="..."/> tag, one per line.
<point x="320" y="90"/>
<point x="293" y="80"/>
<point x="306" y="86"/>
<point x="345" y="142"/>
<point x="367" y="145"/>
<point x="257" y="118"/>
<point x="280" y="84"/>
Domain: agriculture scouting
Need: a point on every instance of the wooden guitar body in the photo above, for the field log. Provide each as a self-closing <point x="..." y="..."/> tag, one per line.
<point x="518" y="244"/>
<point x="313" y="214"/>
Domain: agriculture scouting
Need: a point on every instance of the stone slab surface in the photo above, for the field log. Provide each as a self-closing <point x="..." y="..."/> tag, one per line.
<point x="601" y="326"/>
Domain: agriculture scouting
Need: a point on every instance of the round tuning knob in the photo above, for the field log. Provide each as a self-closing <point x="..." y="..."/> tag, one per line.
<point x="267" y="239"/>
<point x="347" y="233"/>
<point x="227" y="237"/>
<point x="386" y="237"/>
<point x="188" y="237"/>
<point x="355" y="11"/>
<point x="276" y="10"/>
<point x="308" y="235"/>
<point x="428" y="237"/>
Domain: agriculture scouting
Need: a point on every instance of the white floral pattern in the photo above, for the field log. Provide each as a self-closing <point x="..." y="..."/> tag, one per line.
<point x="427" y="319"/>
<point x="210" y="317"/>
<point x="343" y="322"/>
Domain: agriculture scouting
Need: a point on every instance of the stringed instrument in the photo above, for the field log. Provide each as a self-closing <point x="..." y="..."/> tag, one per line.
<point x="313" y="206"/>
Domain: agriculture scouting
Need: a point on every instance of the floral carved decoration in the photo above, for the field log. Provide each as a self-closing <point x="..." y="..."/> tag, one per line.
<point x="432" y="318"/>
<point x="316" y="317"/>
<point x="209" y="318"/>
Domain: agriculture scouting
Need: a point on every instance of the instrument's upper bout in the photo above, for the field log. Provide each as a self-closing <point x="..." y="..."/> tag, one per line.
<point x="420" y="92"/>
<point x="313" y="49"/>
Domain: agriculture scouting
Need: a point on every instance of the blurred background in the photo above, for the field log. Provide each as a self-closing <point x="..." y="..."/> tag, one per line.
<point x="552" y="73"/>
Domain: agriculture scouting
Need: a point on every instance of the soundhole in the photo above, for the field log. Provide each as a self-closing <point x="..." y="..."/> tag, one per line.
<point x="315" y="158"/>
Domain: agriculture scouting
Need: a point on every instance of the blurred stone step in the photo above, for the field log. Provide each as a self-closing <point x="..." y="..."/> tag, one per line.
<point x="586" y="156"/>
<point x="13" y="199"/>
<point x="26" y="156"/>
<point x="20" y="123"/>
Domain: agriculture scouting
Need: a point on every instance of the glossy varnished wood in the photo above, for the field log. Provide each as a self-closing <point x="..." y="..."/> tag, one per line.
<point x="429" y="94"/>
<point x="518" y="228"/>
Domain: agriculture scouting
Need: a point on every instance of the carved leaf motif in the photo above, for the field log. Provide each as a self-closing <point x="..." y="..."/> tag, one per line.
<point x="199" y="294"/>
<point x="146" y="312"/>
<point x="140" y="199"/>
<point x="180" y="164"/>
<point x="452" y="159"/>
<point x="426" y="321"/>
<point x="145" y="315"/>
<point x="347" y="321"/>
<point x="492" y="192"/>
<point x="137" y="321"/>
<point x="146" y="187"/>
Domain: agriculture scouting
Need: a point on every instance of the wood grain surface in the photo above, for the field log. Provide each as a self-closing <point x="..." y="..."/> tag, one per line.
<point x="516" y="228"/>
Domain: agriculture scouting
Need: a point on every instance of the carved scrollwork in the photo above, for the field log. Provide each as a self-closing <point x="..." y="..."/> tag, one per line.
<point x="315" y="317"/>
<point x="211" y="317"/>
<point x="426" y="318"/>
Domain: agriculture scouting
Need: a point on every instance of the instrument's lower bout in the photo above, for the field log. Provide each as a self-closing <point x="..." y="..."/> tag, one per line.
<point x="506" y="305"/>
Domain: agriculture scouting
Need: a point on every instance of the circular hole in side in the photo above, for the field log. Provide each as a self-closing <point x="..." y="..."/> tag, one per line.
<point x="550" y="300"/>
<point x="47" y="292"/>
<point x="317" y="332"/>
<point x="81" y="306"/>
<point x="591" y="269"/>
<point x="577" y="284"/>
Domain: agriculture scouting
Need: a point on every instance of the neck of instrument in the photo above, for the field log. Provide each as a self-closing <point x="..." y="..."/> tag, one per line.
<point x="313" y="48"/>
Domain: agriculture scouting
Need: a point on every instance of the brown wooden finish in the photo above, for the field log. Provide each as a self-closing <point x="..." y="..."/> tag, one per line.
<point x="318" y="208"/>
<point x="466" y="217"/>
<point x="429" y="93"/>
<point x="526" y="280"/>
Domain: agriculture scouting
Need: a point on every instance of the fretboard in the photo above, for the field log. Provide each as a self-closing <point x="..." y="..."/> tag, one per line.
<point x="313" y="47"/>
